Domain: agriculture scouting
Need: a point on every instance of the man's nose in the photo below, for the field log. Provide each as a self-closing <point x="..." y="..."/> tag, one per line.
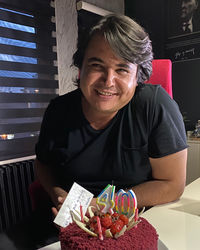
<point x="109" y="78"/>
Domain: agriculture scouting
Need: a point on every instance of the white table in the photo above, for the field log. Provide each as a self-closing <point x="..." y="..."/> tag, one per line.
<point x="177" y="223"/>
<point x="54" y="246"/>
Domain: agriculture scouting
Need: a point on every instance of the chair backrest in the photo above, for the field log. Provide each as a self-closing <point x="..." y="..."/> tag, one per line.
<point x="162" y="74"/>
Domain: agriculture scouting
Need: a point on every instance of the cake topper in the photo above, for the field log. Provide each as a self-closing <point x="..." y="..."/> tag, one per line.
<point x="77" y="196"/>
<point x="118" y="215"/>
<point x="106" y="199"/>
<point x="112" y="217"/>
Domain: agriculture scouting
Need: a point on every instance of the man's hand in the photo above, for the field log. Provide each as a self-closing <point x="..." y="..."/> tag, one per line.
<point x="93" y="202"/>
<point x="57" y="208"/>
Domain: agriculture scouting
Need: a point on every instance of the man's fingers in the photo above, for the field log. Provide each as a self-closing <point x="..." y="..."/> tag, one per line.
<point x="54" y="211"/>
<point x="61" y="199"/>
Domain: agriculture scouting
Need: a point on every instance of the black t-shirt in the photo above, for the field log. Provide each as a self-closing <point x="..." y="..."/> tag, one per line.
<point x="150" y="125"/>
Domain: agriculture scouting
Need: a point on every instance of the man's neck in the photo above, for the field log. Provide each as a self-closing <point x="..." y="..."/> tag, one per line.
<point x="97" y="120"/>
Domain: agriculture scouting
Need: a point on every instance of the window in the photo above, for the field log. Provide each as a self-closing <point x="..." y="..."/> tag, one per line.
<point x="27" y="76"/>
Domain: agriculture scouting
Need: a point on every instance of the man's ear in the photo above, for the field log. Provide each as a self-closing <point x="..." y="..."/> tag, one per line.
<point x="137" y="73"/>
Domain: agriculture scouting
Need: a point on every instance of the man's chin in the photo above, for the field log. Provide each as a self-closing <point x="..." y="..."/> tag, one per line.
<point x="106" y="110"/>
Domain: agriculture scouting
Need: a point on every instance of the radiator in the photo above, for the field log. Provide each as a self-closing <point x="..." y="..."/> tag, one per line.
<point x="15" y="202"/>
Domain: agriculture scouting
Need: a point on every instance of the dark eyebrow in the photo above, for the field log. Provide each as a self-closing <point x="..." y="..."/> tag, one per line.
<point x="96" y="59"/>
<point x="123" y="65"/>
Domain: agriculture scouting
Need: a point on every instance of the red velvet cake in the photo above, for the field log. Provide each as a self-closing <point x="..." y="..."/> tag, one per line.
<point x="143" y="236"/>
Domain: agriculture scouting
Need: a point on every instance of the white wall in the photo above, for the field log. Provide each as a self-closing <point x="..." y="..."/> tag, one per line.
<point x="66" y="33"/>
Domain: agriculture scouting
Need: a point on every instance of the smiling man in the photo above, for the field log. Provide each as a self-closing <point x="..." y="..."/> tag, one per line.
<point x="113" y="129"/>
<point x="107" y="82"/>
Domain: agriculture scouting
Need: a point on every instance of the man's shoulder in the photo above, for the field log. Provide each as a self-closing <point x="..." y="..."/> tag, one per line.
<point x="146" y="91"/>
<point x="69" y="97"/>
<point x="150" y="95"/>
<point x="66" y="103"/>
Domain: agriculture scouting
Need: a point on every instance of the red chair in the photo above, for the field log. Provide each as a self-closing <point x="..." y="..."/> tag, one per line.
<point x="162" y="74"/>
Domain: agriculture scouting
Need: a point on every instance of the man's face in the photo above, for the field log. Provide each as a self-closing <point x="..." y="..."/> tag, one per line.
<point x="107" y="82"/>
<point x="187" y="9"/>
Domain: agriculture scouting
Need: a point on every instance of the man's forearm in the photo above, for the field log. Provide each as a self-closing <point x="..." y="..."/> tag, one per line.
<point x="169" y="175"/>
<point x="156" y="192"/>
<point x="47" y="180"/>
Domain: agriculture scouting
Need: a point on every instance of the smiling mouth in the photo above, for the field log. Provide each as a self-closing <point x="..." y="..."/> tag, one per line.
<point x="105" y="93"/>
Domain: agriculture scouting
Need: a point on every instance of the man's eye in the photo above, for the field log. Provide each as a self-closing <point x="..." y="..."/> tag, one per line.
<point x="96" y="65"/>
<point x="122" y="70"/>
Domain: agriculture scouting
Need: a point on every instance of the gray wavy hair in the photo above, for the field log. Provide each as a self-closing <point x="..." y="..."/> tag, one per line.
<point x="128" y="40"/>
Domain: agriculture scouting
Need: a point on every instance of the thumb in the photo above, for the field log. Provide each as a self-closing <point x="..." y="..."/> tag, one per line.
<point x="60" y="199"/>
<point x="54" y="211"/>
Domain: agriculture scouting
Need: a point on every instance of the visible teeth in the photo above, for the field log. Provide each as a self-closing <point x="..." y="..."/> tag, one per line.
<point x="104" y="93"/>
